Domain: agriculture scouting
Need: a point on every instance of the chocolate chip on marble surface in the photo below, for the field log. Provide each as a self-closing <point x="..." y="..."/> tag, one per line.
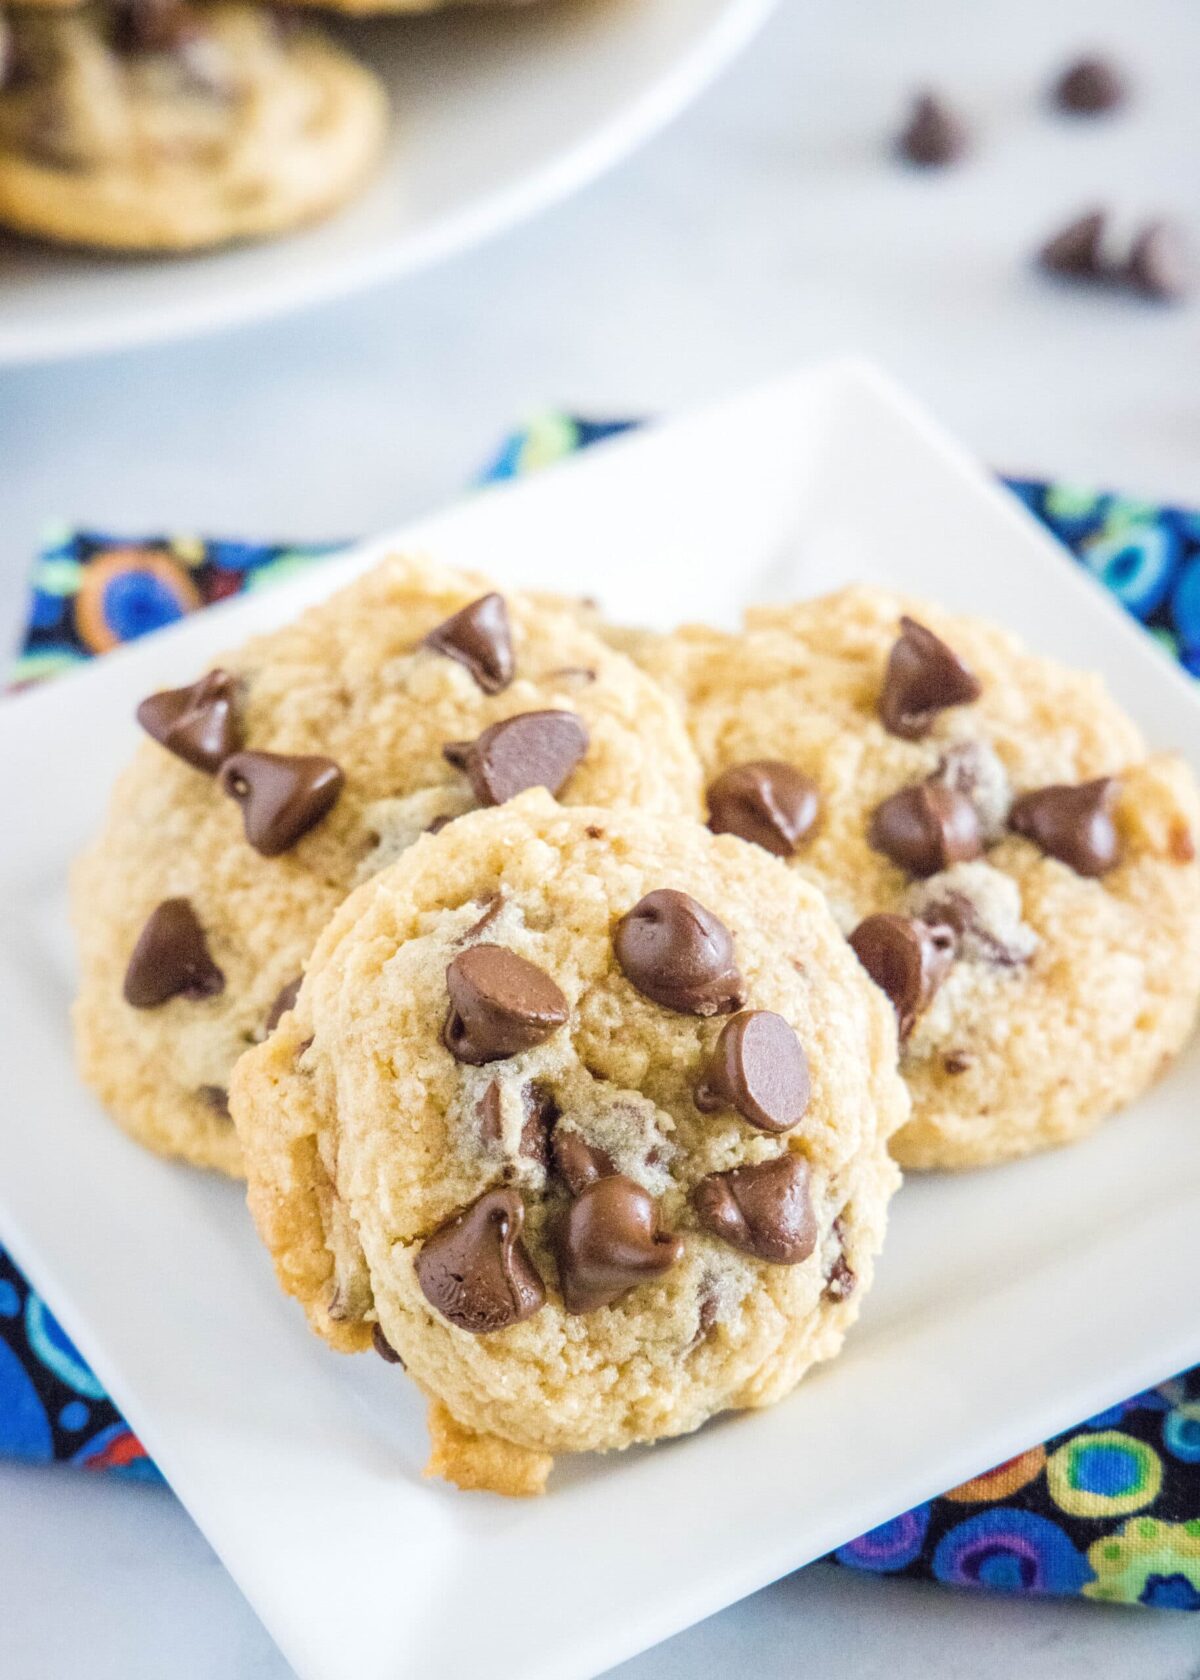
<point x="758" y="1068"/>
<point x="1090" y="85"/>
<point x="282" y="796"/>
<point x="926" y="828"/>
<point x="933" y="135"/>
<point x="286" y="1000"/>
<point x="197" y="723"/>
<point x="532" y="749"/>
<point x="500" y="1004"/>
<point x="479" y="637"/>
<point x="907" y="959"/>
<point x="384" y="1348"/>
<point x="924" y="676"/>
<point x="171" y="959"/>
<point x="607" y="1241"/>
<point x="677" y="953"/>
<point x="1077" y="250"/>
<point x="578" y="1163"/>
<point x="765" y="801"/>
<point x="539" y="1112"/>
<point x="764" y="1209"/>
<point x="1071" y="823"/>
<point x="476" y="1271"/>
<point x="1160" y="265"/>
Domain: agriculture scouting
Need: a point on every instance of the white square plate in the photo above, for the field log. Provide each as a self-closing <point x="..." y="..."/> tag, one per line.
<point x="1010" y="1304"/>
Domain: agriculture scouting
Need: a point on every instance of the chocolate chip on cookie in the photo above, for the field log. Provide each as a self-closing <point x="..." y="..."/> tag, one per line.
<point x="926" y="828"/>
<point x="500" y="1004"/>
<point x="533" y="749"/>
<point x="679" y="955"/>
<point x="766" y="801"/>
<point x="171" y="959"/>
<point x="607" y="1241"/>
<point x="384" y="1348"/>
<point x="764" y="1209"/>
<point x="198" y="723"/>
<point x="284" y="1001"/>
<point x="1071" y="823"/>
<point x="479" y="637"/>
<point x="923" y="677"/>
<point x="215" y="1097"/>
<point x="908" y="959"/>
<point x="758" y="1068"/>
<point x="577" y="1162"/>
<point x="476" y="1271"/>
<point x="282" y="796"/>
<point x="540" y="1112"/>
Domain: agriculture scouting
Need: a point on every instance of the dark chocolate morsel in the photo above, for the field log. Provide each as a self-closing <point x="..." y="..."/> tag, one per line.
<point x="576" y="1162"/>
<point x="540" y="1113"/>
<point x="764" y="1209"/>
<point x="216" y="1097"/>
<point x="934" y="135"/>
<point x="500" y="1004"/>
<point x="476" y="1271"/>
<point x="285" y="1001"/>
<point x="480" y="638"/>
<point x="679" y="955"/>
<point x="924" y="676"/>
<point x="758" y="1068"/>
<point x="532" y="749"/>
<point x="171" y="959"/>
<point x="384" y="1348"/>
<point x="766" y="801"/>
<point x="1071" y="823"/>
<point x="907" y="959"/>
<point x="607" y="1241"/>
<point x="1077" y="250"/>
<point x="926" y="828"/>
<point x="197" y="723"/>
<point x="1160" y="264"/>
<point x="1090" y="85"/>
<point x="281" y="795"/>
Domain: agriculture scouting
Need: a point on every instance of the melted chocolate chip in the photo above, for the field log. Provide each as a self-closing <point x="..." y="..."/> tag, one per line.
<point x="1090" y="85"/>
<point x="608" y="1241"/>
<point x="926" y="828"/>
<point x="541" y="1111"/>
<point x="934" y="135"/>
<point x="764" y="1209"/>
<point x="1077" y="250"/>
<point x="533" y="749"/>
<point x="281" y="796"/>
<point x="578" y="1163"/>
<point x="923" y="677"/>
<point x="476" y="1271"/>
<point x="1073" y="824"/>
<point x="196" y="723"/>
<point x="758" y="1068"/>
<point x="384" y="1348"/>
<point x="480" y="638"/>
<point x="679" y="955"/>
<point x="285" y="1001"/>
<point x="216" y="1097"/>
<point x="1160" y="264"/>
<point x="766" y="801"/>
<point x="500" y="1004"/>
<point x="907" y="959"/>
<point x="171" y="959"/>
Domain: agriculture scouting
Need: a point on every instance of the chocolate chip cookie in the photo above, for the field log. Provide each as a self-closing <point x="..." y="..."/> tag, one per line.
<point x="581" y="1116"/>
<point x="307" y="760"/>
<point x="175" y="124"/>
<point x="1006" y="859"/>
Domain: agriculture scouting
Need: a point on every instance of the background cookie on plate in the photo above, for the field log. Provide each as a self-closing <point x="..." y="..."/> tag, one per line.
<point x="1034" y="869"/>
<point x="583" y="1116"/>
<point x="198" y="904"/>
<point x="178" y="125"/>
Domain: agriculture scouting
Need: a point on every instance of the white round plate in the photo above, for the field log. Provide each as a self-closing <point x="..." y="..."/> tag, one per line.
<point x="498" y="112"/>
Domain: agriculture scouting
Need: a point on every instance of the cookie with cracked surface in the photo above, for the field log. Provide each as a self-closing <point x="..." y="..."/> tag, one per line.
<point x="1014" y="867"/>
<point x="587" y="1112"/>
<point x="172" y="125"/>
<point x="308" y="759"/>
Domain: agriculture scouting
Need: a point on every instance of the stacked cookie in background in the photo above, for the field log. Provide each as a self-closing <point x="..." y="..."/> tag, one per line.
<point x="582" y="1109"/>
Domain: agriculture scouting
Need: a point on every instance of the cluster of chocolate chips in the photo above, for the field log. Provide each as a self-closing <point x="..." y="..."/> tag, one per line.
<point x="606" y="1233"/>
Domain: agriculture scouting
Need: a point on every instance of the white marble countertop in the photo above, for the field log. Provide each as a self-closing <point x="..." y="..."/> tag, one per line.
<point x="765" y="229"/>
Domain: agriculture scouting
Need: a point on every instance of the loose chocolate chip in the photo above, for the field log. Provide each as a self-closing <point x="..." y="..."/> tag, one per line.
<point x="216" y="1097"/>
<point x="923" y="678"/>
<point x="766" y="801"/>
<point x="760" y="1069"/>
<point x="480" y="638"/>
<point x="171" y="959"/>
<point x="608" y="1241"/>
<point x="1090" y="85"/>
<point x="679" y="955"/>
<point x="1073" y="824"/>
<point x="1160" y="264"/>
<point x="907" y="959"/>
<point x="285" y="1001"/>
<point x="196" y="723"/>
<point x="764" y="1209"/>
<point x="476" y="1271"/>
<point x="934" y="135"/>
<point x="577" y="1162"/>
<point x="1077" y="250"/>
<point x="926" y="828"/>
<point x="384" y="1348"/>
<point x="281" y="796"/>
<point x="533" y="749"/>
<point x="541" y="1111"/>
<point x="500" y="1004"/>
